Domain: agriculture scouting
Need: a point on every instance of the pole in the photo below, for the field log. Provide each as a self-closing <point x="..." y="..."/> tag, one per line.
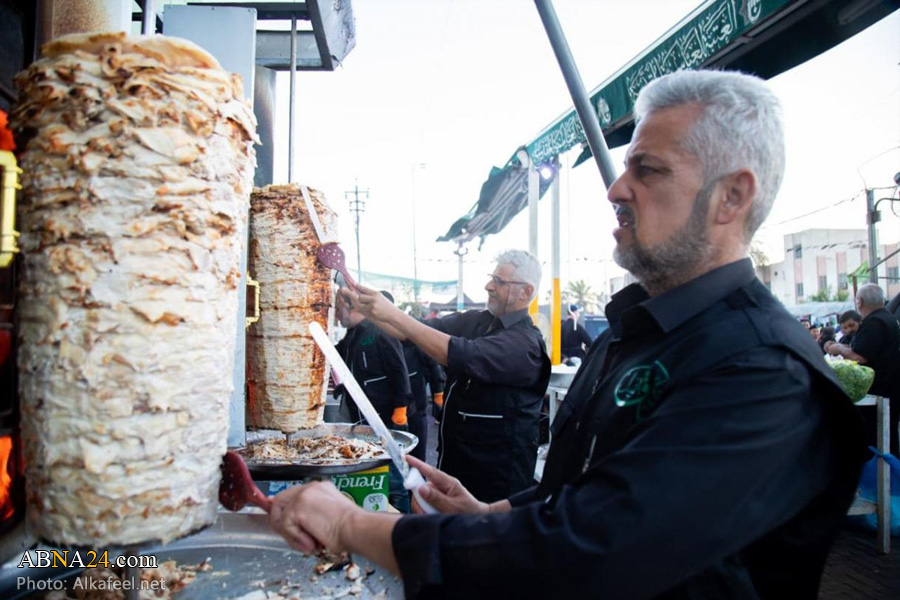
<point x="460" y="296"/>
<point x="555" y="307"/>
<point x="534" y="191"/>
<point x="871" y="219"/>
<point x="415" y="257"/>
<point x="148" y="22"/>
<point x="291" y="110"/>
<point x="586" y="113"/>
<point x="357" y="207"/>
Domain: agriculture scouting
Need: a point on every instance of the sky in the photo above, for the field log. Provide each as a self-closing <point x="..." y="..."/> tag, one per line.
<point x="436" y="92"/>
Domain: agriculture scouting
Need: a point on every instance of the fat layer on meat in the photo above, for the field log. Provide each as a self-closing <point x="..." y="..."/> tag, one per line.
<point x="138" y="162"/>
<point x="287" y="372"/>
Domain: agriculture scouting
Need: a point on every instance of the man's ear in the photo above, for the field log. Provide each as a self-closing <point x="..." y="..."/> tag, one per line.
<point x="736" y="194"/>
<point x="527" y="291"/>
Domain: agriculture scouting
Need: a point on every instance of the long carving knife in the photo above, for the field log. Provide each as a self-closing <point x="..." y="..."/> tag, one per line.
<point x="412" y="479"/>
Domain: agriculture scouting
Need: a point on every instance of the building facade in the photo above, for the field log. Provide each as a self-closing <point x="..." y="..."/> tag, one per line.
<point x="822" y="261"/>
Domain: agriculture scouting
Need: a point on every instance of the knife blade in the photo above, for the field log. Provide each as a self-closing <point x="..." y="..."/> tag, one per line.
<point x="317" y="225"/>
<point x="412" y="479"/>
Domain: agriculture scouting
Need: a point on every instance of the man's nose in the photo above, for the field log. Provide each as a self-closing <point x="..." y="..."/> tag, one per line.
<point x="620" y="190"/>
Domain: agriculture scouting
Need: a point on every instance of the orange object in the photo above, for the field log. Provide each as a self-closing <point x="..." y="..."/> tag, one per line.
<point x="399" y="416"/>
<point x="439" y="399"/>
<point x="6" y="136"/>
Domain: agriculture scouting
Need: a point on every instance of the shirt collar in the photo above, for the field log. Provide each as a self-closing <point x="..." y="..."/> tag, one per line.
<point x="675" y="307"/>
<point x="512" y="318"/>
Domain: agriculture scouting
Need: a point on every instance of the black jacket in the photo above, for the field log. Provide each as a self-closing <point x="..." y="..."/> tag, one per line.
<point x="376" y="360"/>
<point x="497" y="373"/>
<point x="704" y="451"/>
<point x="878" y="341"/>
<point x="573" y="339"/>
<point x="422" y="369"/>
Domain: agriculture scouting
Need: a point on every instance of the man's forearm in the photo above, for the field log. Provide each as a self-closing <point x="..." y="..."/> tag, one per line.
<point x="369" y="534"/>
<point x="432" y="342"/>
<point x="848" y="353"/>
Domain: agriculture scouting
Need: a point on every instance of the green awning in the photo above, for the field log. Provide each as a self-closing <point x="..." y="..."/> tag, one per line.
<point x="502" y="196"/>
<point x="764" y="37"/>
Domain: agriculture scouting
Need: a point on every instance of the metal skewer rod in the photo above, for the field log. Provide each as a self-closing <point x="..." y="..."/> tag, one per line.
<point x="133" y="576"/>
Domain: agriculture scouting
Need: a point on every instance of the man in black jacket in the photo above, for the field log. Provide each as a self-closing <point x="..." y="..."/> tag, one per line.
<point x="422" y="370"/>
<point x="877" y="345"/>
<point x="573" y="338"/>
<point x="377" y="362"/>
<point x="704" y="450"/>
<point x="497" y="373"/>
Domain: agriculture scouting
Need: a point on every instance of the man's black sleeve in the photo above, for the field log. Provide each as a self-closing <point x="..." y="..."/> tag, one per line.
<point x="584" y="337"/>
<point x="512" y="357"/>
<point x="724" y="460"/>
<point x="394" y="368"/>
<point x="869" y="339"/>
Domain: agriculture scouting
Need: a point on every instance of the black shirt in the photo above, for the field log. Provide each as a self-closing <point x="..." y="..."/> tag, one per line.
<point x="422" y="369"/>
<point x="376" y="361"/>
<point x="878" y="341"/>
<point x="497" y="374"/>
<point x="573" y="339"/>
<point x="704" y="450"/>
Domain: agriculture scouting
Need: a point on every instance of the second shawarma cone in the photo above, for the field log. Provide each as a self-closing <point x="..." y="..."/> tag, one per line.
<point x="138" y="161"/>
<point x="287" y="372"/>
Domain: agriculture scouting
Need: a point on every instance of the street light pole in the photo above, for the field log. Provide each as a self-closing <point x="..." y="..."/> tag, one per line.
<point x="460" y="296"/>
<point x="415" y="257"/>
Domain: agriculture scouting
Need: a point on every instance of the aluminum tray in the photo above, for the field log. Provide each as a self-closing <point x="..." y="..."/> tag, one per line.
<point x="284" y="470"/>
<point x="246" y="556"/>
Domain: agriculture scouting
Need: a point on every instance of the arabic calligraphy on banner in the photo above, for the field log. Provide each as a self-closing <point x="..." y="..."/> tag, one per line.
<point x="691" y="46"/>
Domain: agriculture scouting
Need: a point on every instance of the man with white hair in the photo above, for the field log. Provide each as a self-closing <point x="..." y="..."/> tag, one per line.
<point x="497" y="374"/>
<point x="877" y="345"/>
<point x="704" y="450"/>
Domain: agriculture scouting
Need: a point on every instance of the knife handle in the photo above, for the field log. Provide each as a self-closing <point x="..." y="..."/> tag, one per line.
<point x="413" y="482"/>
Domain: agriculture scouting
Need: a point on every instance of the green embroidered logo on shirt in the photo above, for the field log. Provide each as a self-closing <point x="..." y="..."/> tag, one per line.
<point x="368" y="340"/>
<point x="642" y="386"/>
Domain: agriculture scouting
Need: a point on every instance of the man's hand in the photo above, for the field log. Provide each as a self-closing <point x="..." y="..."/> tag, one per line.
<point x="833" y="348"/>
<point x="371" y="303"/>
<point x="312" y="515"/>
<point x="399" y="420"/>
<point x="447" y="494"/>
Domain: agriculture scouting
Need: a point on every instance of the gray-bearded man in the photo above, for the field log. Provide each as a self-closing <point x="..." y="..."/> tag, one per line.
<point x="704" y="450"/>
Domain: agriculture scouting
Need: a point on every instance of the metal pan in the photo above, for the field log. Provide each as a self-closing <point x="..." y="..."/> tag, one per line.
<point x="246" y="556"/>
<point x="285" y="470"/>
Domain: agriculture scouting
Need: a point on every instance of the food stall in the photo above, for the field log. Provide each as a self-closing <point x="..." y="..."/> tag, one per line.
<point x="137" y="159"/>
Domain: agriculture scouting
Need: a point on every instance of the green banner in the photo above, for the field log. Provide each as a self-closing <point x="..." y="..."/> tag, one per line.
<point x="690" y="45"/>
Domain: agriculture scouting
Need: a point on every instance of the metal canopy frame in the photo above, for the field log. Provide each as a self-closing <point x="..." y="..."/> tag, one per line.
<point x="321" y="48"/>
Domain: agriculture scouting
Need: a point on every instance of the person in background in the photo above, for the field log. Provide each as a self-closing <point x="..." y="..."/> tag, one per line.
<point x="377" y="362"/>
<point x="849" y="323"/>
<point x="826" y="334"/>
<point x="877" y="345"/>
<point x="422" y="370"/>
<point x="574" y="338"/>
<point x="497" y="375"/>
<point x="705" y="449"/>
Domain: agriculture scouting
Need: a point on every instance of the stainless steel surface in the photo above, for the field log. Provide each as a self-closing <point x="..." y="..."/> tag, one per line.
<point x="264" y="109"/>
<point x="246" y="556"/>
<point x="148" y="18"/>
<point x="291" y="100"/>
<point x="283" y="470"/>
<point x="229" y="34"/>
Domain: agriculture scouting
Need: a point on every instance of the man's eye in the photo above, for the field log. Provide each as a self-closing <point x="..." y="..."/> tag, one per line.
<point x="644" y="170"/>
